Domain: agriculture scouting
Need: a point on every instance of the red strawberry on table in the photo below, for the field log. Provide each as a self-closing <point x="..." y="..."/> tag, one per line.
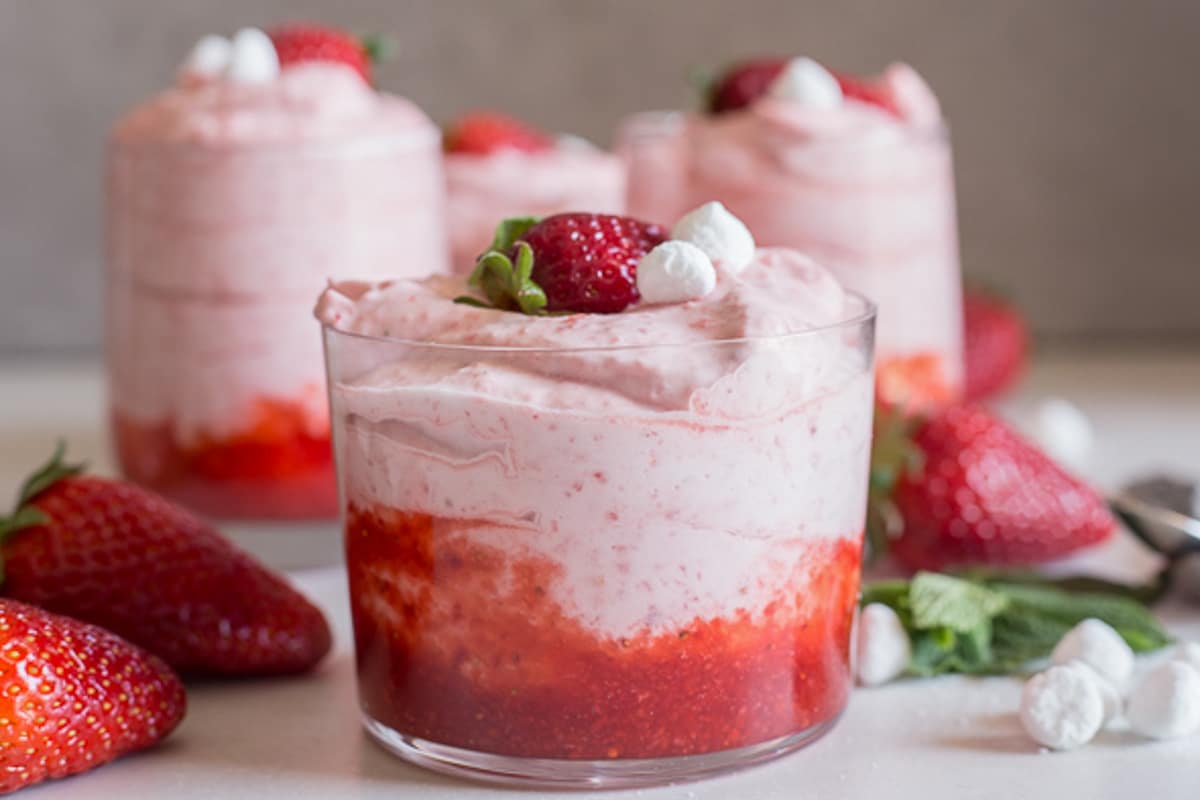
<point x="996" y="344"/>
<point x="487" y="132"/>
<point x="743" y="83"/>
<point x="982" y="495"/>
<point x="74" y="696"/>
<point x="566" y="262"/>
<point x="113" y="554"/>
<point x="301" y="42"/>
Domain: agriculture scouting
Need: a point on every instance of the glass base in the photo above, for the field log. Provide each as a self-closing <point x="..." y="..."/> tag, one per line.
<point x="551" y="773"/>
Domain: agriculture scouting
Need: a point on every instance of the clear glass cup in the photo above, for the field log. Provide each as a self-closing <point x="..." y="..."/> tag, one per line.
<point x="216" y="380"/>
<point x="652" y="144"/>
<point x="554" y="584"/>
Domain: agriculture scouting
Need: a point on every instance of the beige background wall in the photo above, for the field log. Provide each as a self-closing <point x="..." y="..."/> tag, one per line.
<point x="1076" y="122"/>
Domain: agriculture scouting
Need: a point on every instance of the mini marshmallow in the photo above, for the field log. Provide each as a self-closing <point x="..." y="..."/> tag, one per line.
<point x="675" y="272"/>
<point x="1064" y="431"/>
<point x="1114" y="703"/>
<point x="1166" y="704"/>
<point x="883" y="648"/>
<point x="1096" y="644"/>
<point x="1188" y="653"/>
<point x="724" y="238"/>
<point x="253" y="58"/>
<point x="806" y="83"/>
<point x="209" y="57"/>
<point x="1062" y="708"/>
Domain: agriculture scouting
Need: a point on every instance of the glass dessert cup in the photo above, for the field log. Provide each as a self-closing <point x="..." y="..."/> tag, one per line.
<point x="552" y="585"/>
<point x="652" y="145"/>
<point x="877" y="210"/>
<point x="216" y="380"/>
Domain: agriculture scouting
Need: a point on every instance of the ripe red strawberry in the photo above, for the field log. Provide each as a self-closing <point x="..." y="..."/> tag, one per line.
<point x="113" y="554"/>
<point x="301" y="42"/>
<point x="983" y="495"/>
<point x="588" y="262"/>
<point x="866" y="91"/>
<point x="74" y="696"/>
<point x="996" y="344"/>
<point x="743" y="83"/>
<point x="486" y="132"/>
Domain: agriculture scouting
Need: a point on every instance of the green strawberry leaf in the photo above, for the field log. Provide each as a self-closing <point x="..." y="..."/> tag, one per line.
<point x="508" y="286"/>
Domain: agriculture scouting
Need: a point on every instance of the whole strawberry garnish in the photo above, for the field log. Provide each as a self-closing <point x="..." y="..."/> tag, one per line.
<point x="113" y="554"/>
<point x="487" y="132"/>
<point x="74" y="696"/>
<point x="743" y="83"/>
<point x="566" y="262"/>
<point x="301" y="42"/>
<point x="975" y="493"/>
<point x="996" y="344"/>
<point x="865" y="90"/>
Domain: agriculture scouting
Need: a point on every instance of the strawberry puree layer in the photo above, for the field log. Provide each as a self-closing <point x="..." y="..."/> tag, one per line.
<point x="866" y="192"/>
<point x="481" y="190"/>
<point x="462" y="643"/>
<point x="229" y="205"/>
<point x="556" y="552"/>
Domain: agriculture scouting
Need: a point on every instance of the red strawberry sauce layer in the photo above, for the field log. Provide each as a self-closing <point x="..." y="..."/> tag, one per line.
<point x="276" y="467"/>
<point x="462" y="644"/>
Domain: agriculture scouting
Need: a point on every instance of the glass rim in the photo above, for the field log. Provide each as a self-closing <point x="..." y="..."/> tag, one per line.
<point x="866" y="313"/>
<point x="668" y="122"/>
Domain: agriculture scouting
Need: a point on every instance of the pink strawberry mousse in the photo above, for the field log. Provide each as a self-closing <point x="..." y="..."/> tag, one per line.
<point x="865" y="189"/>
<point x="229" y="205"/>
<point x="481" y="189"/>
<point x="674" y="421"/>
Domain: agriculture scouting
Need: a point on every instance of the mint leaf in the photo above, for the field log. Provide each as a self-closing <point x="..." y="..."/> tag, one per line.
<point x="1052" y="606"/>
<point x="943" y="601"/>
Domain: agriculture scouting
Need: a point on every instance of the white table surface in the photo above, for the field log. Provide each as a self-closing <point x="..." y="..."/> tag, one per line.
<point x="943" y="738"/>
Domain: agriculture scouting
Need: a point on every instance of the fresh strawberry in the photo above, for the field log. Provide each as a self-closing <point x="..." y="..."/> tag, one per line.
<point x="866" y="91"/>
<point x="301" y="42"/>
<point x="743" y="83"/>
<point x="113" y="554"/>
<point x="565" y="262"/>
<point x="74" y="696"/>
<point x="486" y="132"/>
<point x="981" y="495"/>
<point x="996" y="344"/>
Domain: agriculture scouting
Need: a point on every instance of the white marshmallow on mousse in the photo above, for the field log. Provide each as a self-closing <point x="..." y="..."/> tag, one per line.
<point x="724" y="238"/>
<point x="209" y="58"/>
<point x="1096" y="644"/>
<point x="675" y="272"/>
<point x="253" y="58"/>
<point x="883" y="649"/>
<point x="806" y="83"/>
<point x="1166" y="704"/>
<point x="1062" y="708"/>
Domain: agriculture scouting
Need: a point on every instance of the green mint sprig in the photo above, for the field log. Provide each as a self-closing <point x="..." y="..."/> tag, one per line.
<point x="507" y="284"/>
<point x="996" y="624"/>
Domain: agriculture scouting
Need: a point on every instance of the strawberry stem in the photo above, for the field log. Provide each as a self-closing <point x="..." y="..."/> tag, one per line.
<point x="507" y="285"/>
<point x="378" y="47"/>
<point x="50" y="473"/>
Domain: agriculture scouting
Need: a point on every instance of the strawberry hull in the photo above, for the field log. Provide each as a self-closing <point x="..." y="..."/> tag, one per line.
<point x="463" y="645"/>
